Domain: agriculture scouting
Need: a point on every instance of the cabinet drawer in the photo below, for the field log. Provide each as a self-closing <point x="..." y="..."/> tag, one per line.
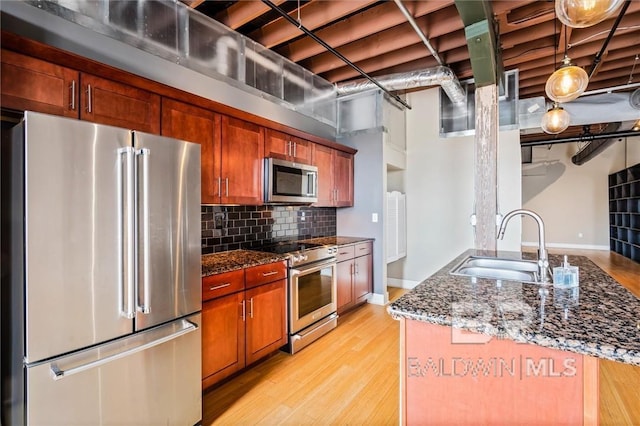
<point x="221" y="284"/>
<point x="345" y="253"/>
<point x="363" y="249"/>
<point x="262" y="274"/>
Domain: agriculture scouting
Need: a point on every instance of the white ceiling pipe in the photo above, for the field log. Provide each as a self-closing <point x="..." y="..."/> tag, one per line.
<point x="418" y="31"/>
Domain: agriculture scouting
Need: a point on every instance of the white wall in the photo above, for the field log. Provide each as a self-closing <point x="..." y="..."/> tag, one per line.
<point x="573" y="200"/>
<point x="439" y="187"/>
<point x="369" y="197"/>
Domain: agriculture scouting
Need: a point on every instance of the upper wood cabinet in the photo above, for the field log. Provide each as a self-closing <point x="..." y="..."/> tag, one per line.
<point x="241" y="176"/>
<point x="35" y="85"/>
<point x="343" y="178"/>
<point x="108" y="102"/>
<point x="335" y="176"/>
<point x="194" y="124"/>
<point x="231" y="151"/>
<point x="286" y="147"/>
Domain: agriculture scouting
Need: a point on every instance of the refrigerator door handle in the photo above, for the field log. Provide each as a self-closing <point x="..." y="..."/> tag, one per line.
<point x="145" y="306"/>
<point x="126" y="256"/>
<point x="58" y="373"/>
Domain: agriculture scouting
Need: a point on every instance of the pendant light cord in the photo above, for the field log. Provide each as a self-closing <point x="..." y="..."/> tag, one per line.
<point x="566" y="42"/>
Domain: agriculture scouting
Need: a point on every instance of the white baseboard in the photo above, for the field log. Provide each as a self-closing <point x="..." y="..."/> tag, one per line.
<point x="406" y="284"/>
<point x="567" y="246"/>
<point x="378" y="299"/>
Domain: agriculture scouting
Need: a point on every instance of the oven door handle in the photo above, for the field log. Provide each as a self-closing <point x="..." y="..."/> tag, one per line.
<point x="313" y="268"/>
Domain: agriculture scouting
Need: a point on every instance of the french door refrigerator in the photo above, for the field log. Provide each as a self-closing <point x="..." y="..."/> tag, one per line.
<point x="101" y="276"/>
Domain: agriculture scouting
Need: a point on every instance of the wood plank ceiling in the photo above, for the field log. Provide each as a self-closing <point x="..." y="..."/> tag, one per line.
<point x="377" y="37"/>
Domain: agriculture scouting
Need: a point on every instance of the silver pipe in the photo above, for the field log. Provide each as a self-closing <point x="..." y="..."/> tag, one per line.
<point x="440" y="75"/>
<point x="610" y="89"/>
<point x="418" y="31"/>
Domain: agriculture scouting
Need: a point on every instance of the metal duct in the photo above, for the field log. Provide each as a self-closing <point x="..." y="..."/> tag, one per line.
<point x="594" y="148"/>
<point x="440" y="75"/>
<point x="603" y="108"/>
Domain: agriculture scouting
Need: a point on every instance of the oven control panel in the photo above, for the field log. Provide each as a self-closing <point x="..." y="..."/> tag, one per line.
<point x="312" y="255"/>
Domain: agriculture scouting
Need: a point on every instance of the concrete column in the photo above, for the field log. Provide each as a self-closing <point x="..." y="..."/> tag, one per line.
<point x="486" y="167"/>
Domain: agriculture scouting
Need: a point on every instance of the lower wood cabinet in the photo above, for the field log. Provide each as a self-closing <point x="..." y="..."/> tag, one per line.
<point x="223" y="342"/>
<point x="266" y="326"/>
<point x="240" y="328"/>
<point x="355" y="275"/>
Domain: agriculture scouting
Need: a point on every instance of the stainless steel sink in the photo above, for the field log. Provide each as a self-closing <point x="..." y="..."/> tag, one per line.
<point x="498" y="269"/>
<point x="498" y="263"/>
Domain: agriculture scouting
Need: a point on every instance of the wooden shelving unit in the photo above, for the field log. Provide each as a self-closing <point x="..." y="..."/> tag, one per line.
<point x="624" y="212"/>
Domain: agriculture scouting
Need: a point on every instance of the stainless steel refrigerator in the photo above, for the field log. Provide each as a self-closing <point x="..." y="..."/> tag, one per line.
<point x="101" y="293"/>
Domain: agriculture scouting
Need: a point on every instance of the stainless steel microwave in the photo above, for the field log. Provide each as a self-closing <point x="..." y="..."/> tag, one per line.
<point x="287" y="182"/>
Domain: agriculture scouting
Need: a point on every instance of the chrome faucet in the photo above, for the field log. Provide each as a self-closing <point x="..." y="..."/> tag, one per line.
<point x="543" y="258"/>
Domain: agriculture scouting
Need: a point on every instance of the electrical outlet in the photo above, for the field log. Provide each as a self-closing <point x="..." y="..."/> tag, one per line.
<point x="219" y="220"/>
<point x="374" y="217"/>
<point x="302" y="217"/>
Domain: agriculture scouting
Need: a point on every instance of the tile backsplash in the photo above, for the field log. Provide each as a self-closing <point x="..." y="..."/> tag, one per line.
<point x="235" y="227"/>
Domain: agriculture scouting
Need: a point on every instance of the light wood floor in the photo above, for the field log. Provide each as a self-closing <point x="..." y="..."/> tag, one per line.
<point x="350" y="376"/>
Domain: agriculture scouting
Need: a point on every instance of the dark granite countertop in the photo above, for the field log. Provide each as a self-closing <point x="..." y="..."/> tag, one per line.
<point x="341" y="241"/>
<point x="599" y="318"/>
<point x="226" y="261"/>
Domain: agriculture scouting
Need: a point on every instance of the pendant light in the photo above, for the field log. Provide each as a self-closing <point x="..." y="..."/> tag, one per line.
<point x="567" y="82"/>
<point x="585" y="13"/>
<point x="556" y="120"/>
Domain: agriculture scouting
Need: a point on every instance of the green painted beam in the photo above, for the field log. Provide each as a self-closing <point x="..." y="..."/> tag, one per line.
<point x="482" y="41"/>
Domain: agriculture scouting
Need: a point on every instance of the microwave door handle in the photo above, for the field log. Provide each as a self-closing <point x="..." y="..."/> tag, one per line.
<point x="311" y="185"/>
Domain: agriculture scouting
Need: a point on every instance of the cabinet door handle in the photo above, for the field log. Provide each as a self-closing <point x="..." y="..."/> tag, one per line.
<point x="356" y="268"/>
<point x="244" y="311"/>
<point x="219" y="186"/>
<point x="251" y="307"/>
<point x="289" y="148"/>
<point x="351" y="269"/>
<point x="73" y="95"/>
<point x="217" y="287"/>
<point x="268" y="274"/>
<point x="89" y="106"/>
<point x="294" y="148"/>
<point x="226" y="183"/>
<point x="362" y="248"/>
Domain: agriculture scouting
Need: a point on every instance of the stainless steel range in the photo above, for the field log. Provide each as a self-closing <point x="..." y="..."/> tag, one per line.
<point x="312" y="291"/>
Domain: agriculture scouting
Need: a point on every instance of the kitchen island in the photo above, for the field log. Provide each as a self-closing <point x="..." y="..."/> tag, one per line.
<point x="508" y="352"/>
